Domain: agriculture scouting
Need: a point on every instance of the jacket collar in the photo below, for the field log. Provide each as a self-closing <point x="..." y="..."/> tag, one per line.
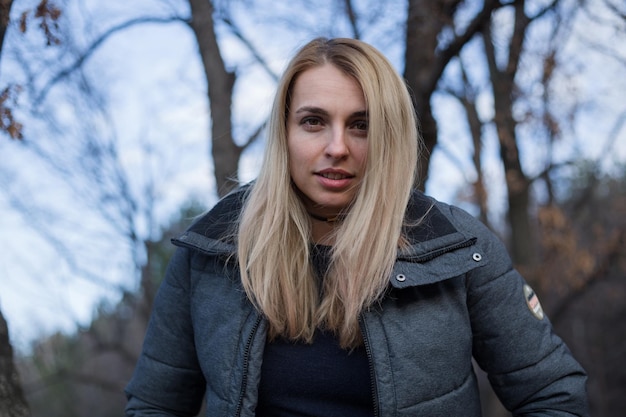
<point x="428" y="231"/>
<point x="214" y="232"/>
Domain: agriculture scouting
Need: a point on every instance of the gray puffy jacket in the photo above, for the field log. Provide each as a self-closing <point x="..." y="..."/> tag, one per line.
<point x="453" y="295"/>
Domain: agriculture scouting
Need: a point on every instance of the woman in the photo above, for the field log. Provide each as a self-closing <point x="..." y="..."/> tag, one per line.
<point x="329" y="287"/>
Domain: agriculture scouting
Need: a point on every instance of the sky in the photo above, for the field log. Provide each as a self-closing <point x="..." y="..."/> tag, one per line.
<point x="152" y="78"/>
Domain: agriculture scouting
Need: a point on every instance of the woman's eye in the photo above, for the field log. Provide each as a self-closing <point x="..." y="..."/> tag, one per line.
<point x="311" y="122"/>
<point x="360" y="125"/>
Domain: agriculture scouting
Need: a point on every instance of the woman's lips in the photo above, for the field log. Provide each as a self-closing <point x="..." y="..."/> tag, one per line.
<point x="334" y="175"/>
<point x="334" y="179"/>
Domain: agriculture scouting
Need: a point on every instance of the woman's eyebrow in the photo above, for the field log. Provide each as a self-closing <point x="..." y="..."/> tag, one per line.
<point x="312" y="109"/>
<point x="322" y="112"/>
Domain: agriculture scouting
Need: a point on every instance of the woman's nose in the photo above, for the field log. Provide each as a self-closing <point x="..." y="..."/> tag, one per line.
<point x="337" y="146"/>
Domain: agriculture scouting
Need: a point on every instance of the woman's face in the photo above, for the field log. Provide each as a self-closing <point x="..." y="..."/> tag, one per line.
<point x="327" y="139"/>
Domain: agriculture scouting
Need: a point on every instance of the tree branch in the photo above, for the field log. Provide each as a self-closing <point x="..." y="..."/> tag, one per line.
<point x="613" y="8"/>
<point x="59" y="246"/>
<point x="254" y="136"/>
<point x="454" y="47"/>
<point x="257" y="56"/>
<point x="95" y="45"/>
<point x="352" y="18"/>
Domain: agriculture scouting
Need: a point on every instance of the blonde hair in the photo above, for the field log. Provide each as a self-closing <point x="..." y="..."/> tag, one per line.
<point x="274" y="235"/>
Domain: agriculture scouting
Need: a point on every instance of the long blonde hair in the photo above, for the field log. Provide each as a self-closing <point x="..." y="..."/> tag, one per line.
<point x="274" y="235"/>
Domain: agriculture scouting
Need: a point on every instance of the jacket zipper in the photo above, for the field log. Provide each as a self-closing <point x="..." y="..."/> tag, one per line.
<point x="246" y="360"/>
<point x="436" y="253"/>
<point x="368" y="352"/>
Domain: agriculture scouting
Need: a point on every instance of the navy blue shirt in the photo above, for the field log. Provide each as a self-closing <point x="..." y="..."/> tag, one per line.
<point x="317" y="380"/>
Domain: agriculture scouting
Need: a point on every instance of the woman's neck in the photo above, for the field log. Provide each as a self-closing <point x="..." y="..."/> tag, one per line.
<point x="322" y="231"/>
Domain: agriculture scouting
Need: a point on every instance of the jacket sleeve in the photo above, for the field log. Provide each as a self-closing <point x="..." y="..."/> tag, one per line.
<point x="530" y="368"/>
<point x="167" y="380"/>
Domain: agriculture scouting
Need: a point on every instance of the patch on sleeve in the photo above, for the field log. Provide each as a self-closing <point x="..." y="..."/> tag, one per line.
<point x="533" y="302"/>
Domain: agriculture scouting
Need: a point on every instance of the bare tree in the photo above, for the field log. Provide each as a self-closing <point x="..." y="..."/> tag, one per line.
<point x="427" y="56"/>
<point x="224" y="150"/>
<point x="90" y="166"/>
<point x="467" y="95"/>
<point x="12" y="400"/>
<point x="503" y="84"/>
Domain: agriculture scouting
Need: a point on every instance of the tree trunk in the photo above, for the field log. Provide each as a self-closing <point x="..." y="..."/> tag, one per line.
<point x="423" y="28"/>
<point x="225" y="152"/>
<point x="468" y="100"/>
<point x="12" y="402"/>
<point x="426" y="60"/>
<point x="5" y="8"/>
<point x="522" y="239"/>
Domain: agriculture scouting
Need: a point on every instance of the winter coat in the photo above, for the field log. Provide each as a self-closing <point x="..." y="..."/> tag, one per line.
<point x="453" y="296"/>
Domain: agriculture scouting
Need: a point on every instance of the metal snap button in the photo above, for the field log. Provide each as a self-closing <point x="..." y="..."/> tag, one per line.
<point x="477" y="257"/>
<point x="401" y="277"/>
